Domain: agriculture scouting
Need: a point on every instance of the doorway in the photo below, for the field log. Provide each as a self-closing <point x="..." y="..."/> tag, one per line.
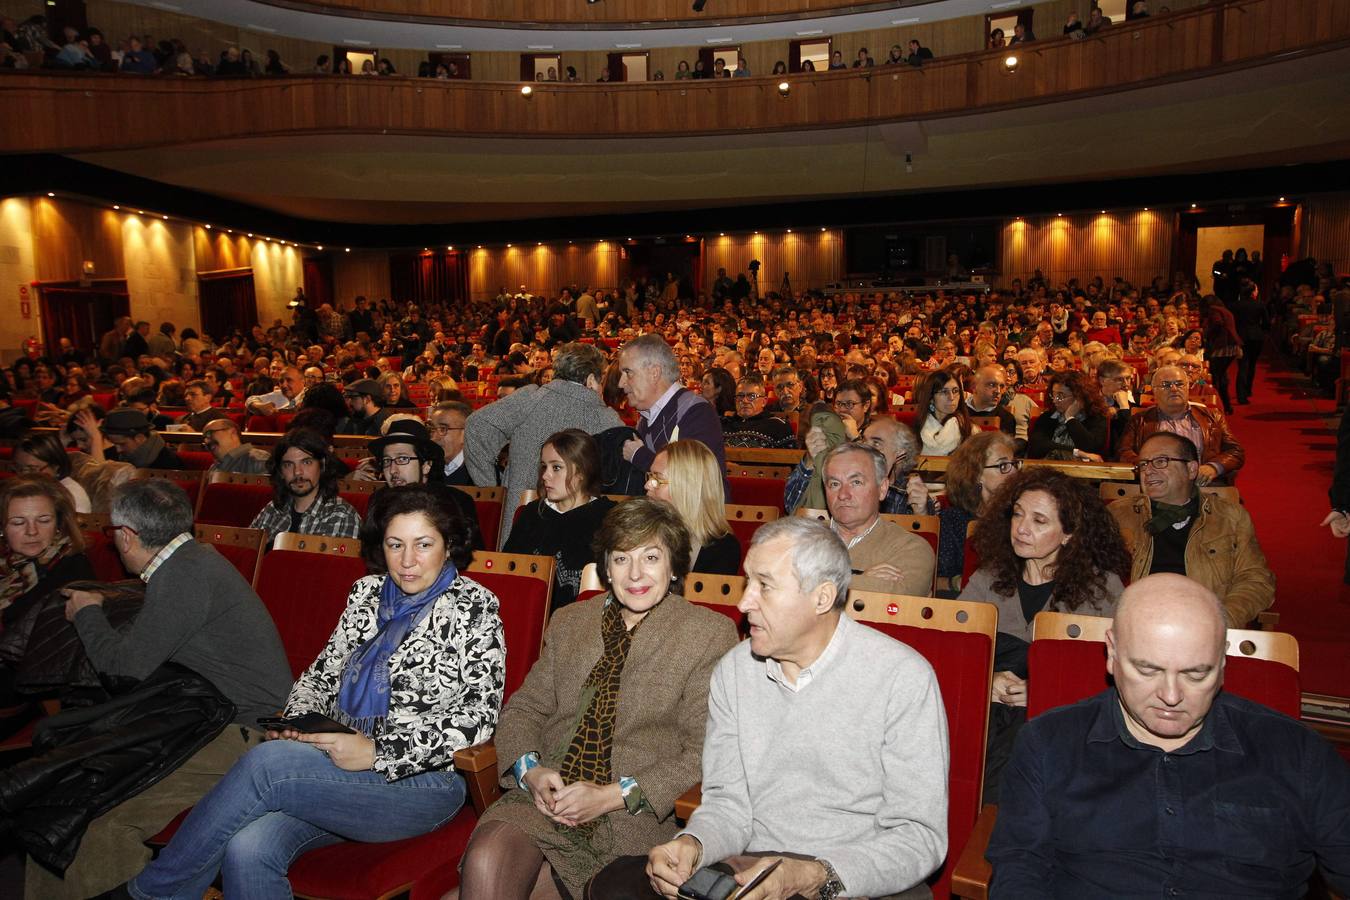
<point x="1211" y="242"/>
<point x="657" y="259"/>
<point x="357" y="59"/>
<point x="816" y="51"/>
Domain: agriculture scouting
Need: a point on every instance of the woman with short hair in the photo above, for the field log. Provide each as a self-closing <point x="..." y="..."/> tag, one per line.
<point x="414" y="670"/>
<point x="685" y="474"/>
<point x="607" y="730"/>
<point x="567" y="513"/>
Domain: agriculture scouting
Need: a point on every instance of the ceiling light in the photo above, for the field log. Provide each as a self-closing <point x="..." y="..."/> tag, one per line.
<point x="784" y="88"/>
<point x="538" y="46"/>
<point x="789" y="231"/>
<point x="526" y="91"/>
<point x="1192" y="206"/>
<point x="721" y="234"/>
<point x="207" y="226"/>
<point x="1145" y="209"/>
<point x="910" y="21"/>
<point x="165" y="218"/>
<point x="721" y="40"/>
<point x="50" y="194"/>
<point x="319" y="247"/>
<point x="450" y="247"/>
<point x="347" y="249"/>
<point x="626" y="46"/>
<point x="811" y="32"/>
<point x="822" y="229"/>
<point x="1281" y="199"/>
<point x="231" y="231"/>
<point x="356" y="43"/>
<point x="539" y="243"/>
<point x="508" y="246"/>
<point x="115" y="206"/>
<point x="449" y="46"/>
<point x="250" y="234"/>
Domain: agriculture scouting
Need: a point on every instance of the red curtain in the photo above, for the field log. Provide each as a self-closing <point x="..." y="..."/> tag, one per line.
<point x="227" y="302"/>
<point x="318" y="281"/>
<point x="81" y="314"/>
<point x="438" y="277"/>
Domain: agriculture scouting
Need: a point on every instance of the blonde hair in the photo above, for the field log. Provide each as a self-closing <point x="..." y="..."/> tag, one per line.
<point x="696" y="491"/>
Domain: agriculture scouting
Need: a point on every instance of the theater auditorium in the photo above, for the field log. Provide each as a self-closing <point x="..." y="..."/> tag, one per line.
<point x="446" y="452"/>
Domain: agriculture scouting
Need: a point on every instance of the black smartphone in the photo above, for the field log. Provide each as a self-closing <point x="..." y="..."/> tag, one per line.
<point x="309" y="723"/>
<point x="710" y="884"/>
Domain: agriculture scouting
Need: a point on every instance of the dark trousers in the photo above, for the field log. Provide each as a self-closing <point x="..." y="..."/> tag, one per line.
<point x="1218" y="367"/>
<point x="626" y="879"/>
<point x="1251" y="352"/>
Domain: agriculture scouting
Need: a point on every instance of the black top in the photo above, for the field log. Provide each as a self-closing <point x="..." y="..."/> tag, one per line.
<point x="721" y="557"/>
<point x="1087" y="434"/>
<point x="566" y="536"/>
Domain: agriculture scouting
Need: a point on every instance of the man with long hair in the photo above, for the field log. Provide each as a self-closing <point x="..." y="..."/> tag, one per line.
<point x="305" y="475"/>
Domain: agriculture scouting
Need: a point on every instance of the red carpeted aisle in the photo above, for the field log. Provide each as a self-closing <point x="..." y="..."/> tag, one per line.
<point x="1291" y="447"/>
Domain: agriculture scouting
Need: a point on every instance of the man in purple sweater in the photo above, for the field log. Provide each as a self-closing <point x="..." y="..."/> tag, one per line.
<point x="649" y="374"/>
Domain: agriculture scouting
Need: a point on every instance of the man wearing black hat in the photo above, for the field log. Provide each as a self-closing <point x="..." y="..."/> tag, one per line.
<point x="365" y="398"/>
<point x="406" y="454"/>
<point x="136" y="442"/>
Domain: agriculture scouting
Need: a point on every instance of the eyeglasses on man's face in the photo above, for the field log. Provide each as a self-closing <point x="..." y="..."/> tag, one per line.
<point x="657" y="479"/>
<point x="443" y="429"/>
<point x="110" y="531"/>
<point x="847" y="404"/>
<point x="1006" y="466"/>
<point x="1171" y="385"/>
<point x="1157" y="462"/>
<point x="751" y="396"/>
<point x="398" y="460"/>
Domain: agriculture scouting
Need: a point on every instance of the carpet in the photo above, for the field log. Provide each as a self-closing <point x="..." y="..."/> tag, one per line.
<point x="1290" y="440"/>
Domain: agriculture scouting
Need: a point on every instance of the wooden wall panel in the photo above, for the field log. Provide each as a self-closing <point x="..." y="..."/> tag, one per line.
<point x="1326" y="230"/>
<point x="360" y="273"/>
<point x="1136" y="246"/>
<point x="812" y="258"/>
<point x="215" y="249"/>
<point x="543" y="269"/>
<point x="67" y="233"/>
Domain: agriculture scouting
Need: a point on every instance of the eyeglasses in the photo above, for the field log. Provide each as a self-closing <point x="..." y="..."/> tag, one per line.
<point x="1157" y="462"/>
<point x="948" y="392"/>
<point x="658" y="480"/>
<point x="1005" y="466"/>
<point x="110" y="531"/>
<point x="751" y="396"/>
<point x="847" y="404"/>
<point x="444" y="429"/>
<point x="398" y="460"/>
<point x="1168" y="385"/>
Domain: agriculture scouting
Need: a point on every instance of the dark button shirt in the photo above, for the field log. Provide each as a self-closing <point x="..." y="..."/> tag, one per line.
<point x="1243" y="810"/>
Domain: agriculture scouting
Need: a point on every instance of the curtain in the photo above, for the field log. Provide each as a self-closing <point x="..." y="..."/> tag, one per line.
<point x="437" y="277"/>
<point x="81" y="314"/>
<point x="318" y="281"/>
<point x="227" y="303"/>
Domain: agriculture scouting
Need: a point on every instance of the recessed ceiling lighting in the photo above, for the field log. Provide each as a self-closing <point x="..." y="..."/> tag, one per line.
<point x="115" y="206"/>
<point x="319" y="247"/>
<point x="347" y="249"/>
<point x="1281" y="199"/>
<point x="207" y="226"/>
<point x="1192" y="206"/>
<point x="50" y="194"/>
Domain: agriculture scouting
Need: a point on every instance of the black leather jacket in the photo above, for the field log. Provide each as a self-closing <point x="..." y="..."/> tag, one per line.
<point x="86" y="761"/>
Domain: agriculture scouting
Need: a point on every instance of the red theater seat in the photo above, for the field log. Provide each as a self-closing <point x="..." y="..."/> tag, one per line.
<point x="746" y="491"/>
<point x="304" y="585"/>
<point x="488" y="503"/>
<point x="243" y="547"/>
<point x="233" y="499"/>
<point x="196" y="460"/>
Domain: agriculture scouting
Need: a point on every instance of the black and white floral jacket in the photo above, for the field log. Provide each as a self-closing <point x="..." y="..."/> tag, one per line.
<point x="446" y="678"/>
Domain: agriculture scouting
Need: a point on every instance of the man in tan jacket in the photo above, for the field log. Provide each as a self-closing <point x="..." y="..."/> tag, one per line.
<point x="1173" y="527"/>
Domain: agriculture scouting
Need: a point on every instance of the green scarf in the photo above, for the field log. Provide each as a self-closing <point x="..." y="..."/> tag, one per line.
<point x="829" y="422"/>
<point x="1166" y="515"/>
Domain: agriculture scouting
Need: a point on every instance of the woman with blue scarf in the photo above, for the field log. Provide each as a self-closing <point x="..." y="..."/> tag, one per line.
<point x="415" y="669"/>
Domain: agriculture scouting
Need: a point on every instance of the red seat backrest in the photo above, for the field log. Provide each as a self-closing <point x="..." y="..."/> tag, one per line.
<point x="103" y="556"/>
<point x="245" y="559"/>
<point x="744" y="531"/>
<point x="524" y="611"/>
<point x="749" y="491"/>
<point x="306" y="594"/>
<point x="961" y="662"/>
<point x="1062" y="672"/>
<point x="232" y="504"/>
<point x="489" y="521"/>
<point x="358" y="501"/>
<point x="907" y="417"/>
<point x="196" y="460"/>
<point x="105" y="399"/>
<point x="284" y="420"/>
<point x="261" y="423"/>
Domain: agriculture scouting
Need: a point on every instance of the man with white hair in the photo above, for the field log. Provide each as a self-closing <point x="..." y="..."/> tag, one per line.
<point x="649" y="374"/>
<point x="1162" y="785"/>
<point x="826" y="747"/>
<point x="1220" y="453"/>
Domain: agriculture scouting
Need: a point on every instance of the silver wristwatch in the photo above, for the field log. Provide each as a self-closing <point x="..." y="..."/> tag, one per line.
<point x="832" y="887"/>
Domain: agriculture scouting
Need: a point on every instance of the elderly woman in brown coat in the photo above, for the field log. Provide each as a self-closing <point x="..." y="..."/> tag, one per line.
<point x="607" y="730"/>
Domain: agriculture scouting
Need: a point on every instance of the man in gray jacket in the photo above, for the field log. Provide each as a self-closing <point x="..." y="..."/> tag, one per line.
<point x="527" y="417"/>
<point x="200" y="613"/>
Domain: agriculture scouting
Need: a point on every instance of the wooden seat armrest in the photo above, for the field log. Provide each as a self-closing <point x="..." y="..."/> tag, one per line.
<point x="478" y="765"/>
<point x="687" y="802"/>
<point x="970" y="878"/>
<point x="1267" y="621"/>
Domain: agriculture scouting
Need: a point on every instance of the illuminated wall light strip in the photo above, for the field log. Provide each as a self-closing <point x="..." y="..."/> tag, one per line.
<point x="910" y="21"/>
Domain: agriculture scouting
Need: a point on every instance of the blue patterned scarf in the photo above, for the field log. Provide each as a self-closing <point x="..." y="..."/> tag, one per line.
<point x="363" y="697"/>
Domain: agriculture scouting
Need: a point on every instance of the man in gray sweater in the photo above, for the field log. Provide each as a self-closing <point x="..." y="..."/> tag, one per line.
<point x="200" y="613"/>
<point x="528" y="417"/>
<point x="826" y="744"/>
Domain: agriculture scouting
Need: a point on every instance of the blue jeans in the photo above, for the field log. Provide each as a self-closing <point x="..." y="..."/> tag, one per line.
<point x="282" y="799"/>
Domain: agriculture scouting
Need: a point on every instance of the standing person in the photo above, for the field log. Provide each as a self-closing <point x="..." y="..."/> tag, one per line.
<point x="608" y="728"/>
<point x="305" y="476"/>
<point x="650" y="376"/>
<point x="415" y="669"/>
<point x="1222" y="345"/>
<point x="567" y="513"/>
<point x="1251" y="320"/>
<point x="198" y="613"/>
<point x="527" y="417"/>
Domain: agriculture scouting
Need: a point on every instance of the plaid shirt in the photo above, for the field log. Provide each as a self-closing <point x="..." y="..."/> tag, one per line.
<point x="164" y="553"/>
<point x="331" y="517"/>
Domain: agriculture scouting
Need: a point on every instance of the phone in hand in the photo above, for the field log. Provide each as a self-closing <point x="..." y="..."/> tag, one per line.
<point x="309" y="723"/>
<point x="710" y="884"/>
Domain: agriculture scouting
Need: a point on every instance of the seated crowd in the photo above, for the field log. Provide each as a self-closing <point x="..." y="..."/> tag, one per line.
<point x="606" y="420"/>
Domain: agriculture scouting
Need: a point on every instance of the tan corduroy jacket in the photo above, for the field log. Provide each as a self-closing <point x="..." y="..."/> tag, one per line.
<point x="1221" y="553"/>
<point x="663" y="698"/>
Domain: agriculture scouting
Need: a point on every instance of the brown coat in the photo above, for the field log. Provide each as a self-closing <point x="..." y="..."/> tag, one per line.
<point x="663" y="709"/>
<point x="1220" y="445"/>
<point x="1221" y="553"/>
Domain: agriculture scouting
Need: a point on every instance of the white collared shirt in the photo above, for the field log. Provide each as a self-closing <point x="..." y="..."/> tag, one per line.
<point x="651" y="414"/>
<point x="163" y="555"/>
<point x="806" y="674"/>
<point x="861" y="537"/>
<point x="455" y="464"/>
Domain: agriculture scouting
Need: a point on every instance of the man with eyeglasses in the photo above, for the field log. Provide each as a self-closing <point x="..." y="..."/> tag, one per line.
<point x="1220" y="453"/>
<point x="1172" y="526"/>
<point x="446" y="425"/>
<point x="305" y="475"/>
<point x="406" y="454"/>
<point x="197" y="396"/>
<point x="752" y="426"/>
<point x="222" y="440"/>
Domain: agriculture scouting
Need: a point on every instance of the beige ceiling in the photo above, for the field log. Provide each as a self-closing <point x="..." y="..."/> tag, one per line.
<point x="1287" y="112"/>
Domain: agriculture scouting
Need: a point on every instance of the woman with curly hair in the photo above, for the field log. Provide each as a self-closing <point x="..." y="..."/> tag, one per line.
<point x="944" y="416"/>
<point x="1077" y="425"/>
<point x="1045" y="542"/>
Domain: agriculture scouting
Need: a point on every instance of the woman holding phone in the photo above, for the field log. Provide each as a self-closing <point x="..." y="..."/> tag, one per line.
<point x="414" y="670"/>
